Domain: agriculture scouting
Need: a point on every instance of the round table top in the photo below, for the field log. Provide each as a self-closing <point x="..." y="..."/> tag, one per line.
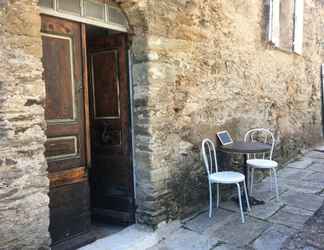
<point x="241" y="147"/>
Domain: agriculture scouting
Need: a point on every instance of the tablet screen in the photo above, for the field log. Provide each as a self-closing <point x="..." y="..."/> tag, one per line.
<point x="224" y="137"/>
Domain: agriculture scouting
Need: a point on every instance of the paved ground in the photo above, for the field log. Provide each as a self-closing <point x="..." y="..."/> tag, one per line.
<point x="311" y="236"/>
<point x="273" y="226"/>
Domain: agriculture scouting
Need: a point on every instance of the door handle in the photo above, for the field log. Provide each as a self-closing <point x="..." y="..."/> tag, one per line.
<point x="106" y="133"/>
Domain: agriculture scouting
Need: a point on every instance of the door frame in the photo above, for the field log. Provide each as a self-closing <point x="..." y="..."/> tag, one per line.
<point x="86" y="89"/>
<point x="131" y="142"/>
<point x="86" y="103"/>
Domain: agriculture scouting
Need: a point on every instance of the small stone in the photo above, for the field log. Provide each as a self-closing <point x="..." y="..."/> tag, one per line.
<point x="3" y="3"/>
<point x="10" y="162"/>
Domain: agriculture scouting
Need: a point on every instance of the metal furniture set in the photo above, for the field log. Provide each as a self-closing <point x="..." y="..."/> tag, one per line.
<point x="257" y="150"/>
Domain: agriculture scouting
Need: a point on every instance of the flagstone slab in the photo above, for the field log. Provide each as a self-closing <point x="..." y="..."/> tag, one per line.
<point x="262" y="191"/>
<point x="224" y="246"/>
<point x="273" y="238"/>
<point x="311" y="236"/>
<point x="267" y="210"/>
<point x="319" y="148"/>
<point x="202" y="222"/>
<point x="301" y="186"/>
<point x="291" y="217"/>
<point x="230" y="205"/>
<point x="293" y="173"/>
<point x="315" y="155"/>
<point x="316" y="177"/>
<point x="318" y="167"/>
<point x="166" y="229"/>
<point x="135" y="237"/>
<point x="184" y="239"/>
<point x="310" y="202"/>
<point x="301" y="164"/>
<point x="238" y="234"/>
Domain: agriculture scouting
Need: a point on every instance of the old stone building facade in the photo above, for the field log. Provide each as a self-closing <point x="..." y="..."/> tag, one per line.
<point x="199" y="66"/>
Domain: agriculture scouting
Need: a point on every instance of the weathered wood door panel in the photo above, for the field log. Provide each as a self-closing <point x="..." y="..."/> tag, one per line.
<point x="111" y="173"/>
<point x="65" y="147"/>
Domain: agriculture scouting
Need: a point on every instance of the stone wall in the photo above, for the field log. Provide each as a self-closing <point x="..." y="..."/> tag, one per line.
<point x="24" y="213"/>
<point x="204" y="66"/>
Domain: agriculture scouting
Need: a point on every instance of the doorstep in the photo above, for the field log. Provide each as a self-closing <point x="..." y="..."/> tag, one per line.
<point x="134" y="237"/>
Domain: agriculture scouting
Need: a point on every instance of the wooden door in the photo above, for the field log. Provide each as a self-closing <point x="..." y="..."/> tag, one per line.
<point x="111" y="172"/>
<point x="65" y="146"/>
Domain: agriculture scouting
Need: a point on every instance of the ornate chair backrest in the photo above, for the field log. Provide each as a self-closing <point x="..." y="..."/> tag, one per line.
<point x="261" y="135"/>
<point x="209" y="156"/>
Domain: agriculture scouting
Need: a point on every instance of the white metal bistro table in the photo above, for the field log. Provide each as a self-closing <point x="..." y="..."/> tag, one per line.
<point x="245" y="148"/>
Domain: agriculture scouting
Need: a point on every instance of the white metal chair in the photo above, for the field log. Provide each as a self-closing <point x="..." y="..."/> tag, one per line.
<point x="265" y="161"/>
<point x="222" y="177"/>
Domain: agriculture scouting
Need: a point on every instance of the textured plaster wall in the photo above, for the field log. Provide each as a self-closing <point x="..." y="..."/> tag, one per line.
<point x="24" y="214"/>
<point x="202" y="66"/>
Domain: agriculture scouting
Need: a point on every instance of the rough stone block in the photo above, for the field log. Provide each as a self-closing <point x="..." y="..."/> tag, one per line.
<point x="3" y="3"/>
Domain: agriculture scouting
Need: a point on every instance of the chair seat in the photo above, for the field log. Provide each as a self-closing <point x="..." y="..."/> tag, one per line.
<point x="227" y="177"/>
<point x="262" y="163"/>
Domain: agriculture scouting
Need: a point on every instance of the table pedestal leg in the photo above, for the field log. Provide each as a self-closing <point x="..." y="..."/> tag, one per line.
<point x="252" y="200"/>
<point x="246" y="173"/>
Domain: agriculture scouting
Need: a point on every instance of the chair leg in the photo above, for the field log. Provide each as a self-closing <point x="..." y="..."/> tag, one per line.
<point x="276" y="183"/>
<point x="248" y="180"/>
<point x="240" y="201"/>
<point x="218" y="195"/>
<point x="210" y="200"/>
<point x="246" y="197"/>
<point x="252" y="177"/>
<point x="270" y="179"/>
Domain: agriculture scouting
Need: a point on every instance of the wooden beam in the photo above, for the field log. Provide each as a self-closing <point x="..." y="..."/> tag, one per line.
<point x="86" y="94"/>
<point x="66" y="177"/>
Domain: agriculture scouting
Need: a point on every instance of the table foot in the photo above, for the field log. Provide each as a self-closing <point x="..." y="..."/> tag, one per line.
<point x="253" y="202"/>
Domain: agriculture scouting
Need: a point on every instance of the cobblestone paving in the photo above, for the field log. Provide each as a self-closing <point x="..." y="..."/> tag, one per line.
<point x="295" y="222"/>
